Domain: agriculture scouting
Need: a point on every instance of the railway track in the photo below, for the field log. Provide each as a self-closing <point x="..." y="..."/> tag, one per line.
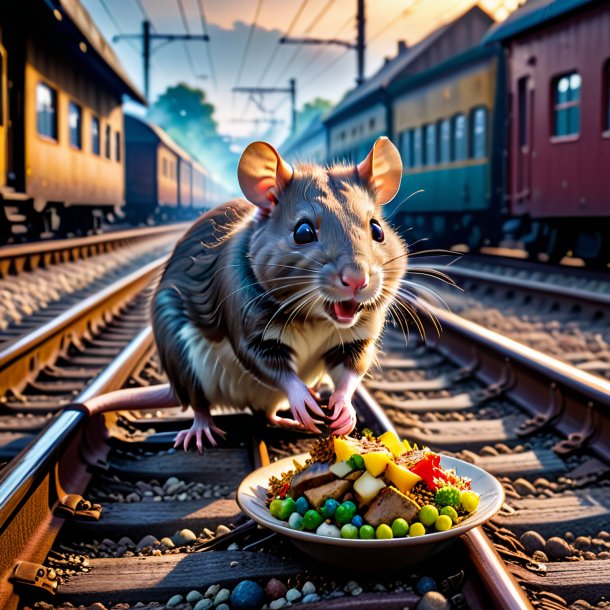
<point x="39" y="281"/>
<point x="553" y="310"/>
<point x="538" y="424"/>
<point x="44" y="370"/>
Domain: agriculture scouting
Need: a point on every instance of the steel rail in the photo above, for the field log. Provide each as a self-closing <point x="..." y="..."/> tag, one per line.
<point x="22" y="359"/>
<point x="26" y="484"/>
<point x="14" y="258"/>
<point x="545" y="288"/>
<point x="499" y="583"/>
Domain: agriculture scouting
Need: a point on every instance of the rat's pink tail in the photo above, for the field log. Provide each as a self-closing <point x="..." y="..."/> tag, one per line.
<point x="153" y="397"/>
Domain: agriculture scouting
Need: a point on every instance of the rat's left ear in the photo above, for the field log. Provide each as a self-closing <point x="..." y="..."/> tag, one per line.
<point x="383" y="169"/>
<point x="261" y="172"/>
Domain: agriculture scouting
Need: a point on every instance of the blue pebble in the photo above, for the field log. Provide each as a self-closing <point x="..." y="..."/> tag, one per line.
<point x="247" y="595"/>
<point x="358" y="521"/>
<point x="329" y="508"/>
<point x="425" y="584"/>
<point x="302" y="505"/>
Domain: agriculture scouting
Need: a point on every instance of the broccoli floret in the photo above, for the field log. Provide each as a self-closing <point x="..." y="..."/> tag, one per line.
<point x="448" y="495"/>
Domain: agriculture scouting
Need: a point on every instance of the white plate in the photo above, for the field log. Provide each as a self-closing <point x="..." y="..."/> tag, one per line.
<point x="395" y="552"/>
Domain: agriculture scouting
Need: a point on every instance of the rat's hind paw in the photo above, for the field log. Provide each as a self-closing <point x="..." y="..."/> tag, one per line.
<point x="201" y="425"/>
<point x="343" y="416"/>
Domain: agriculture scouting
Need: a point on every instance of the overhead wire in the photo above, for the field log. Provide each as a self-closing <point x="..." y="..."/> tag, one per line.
<point x="276" y="48"/>
<point x="314" y="22"/>
<point x="132" y="44"/>
<point x="204" y="29"/>
<point x="144" y="12"/>
<point x="187" y="29"/>
<point x="253" y="25"/>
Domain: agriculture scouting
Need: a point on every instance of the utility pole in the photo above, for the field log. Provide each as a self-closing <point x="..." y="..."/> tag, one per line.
<point x="262" y="91"/>
<point x="359" y="46"/>
<point x="147" y="37"/>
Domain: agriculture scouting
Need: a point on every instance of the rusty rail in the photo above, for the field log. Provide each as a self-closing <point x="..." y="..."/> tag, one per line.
<point x="33" y="483"/>
<point x="17" y="258"/>
<point x="23" y="359"/>
<point x="576" y="402"/>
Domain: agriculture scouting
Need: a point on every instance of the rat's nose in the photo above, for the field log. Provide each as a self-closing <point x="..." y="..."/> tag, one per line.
<point x="356" y="279"/>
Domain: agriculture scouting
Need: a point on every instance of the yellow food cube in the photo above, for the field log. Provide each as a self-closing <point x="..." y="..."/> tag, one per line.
<point x="376" y="462"/>
<point x="406" y="444"/>
<point x="402" y="478"/>
<point x="345" y="448"/>
<point x="392" y="442"/>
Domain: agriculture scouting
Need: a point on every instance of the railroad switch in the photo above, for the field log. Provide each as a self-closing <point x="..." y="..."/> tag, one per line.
<point x="35" y="575"/>
<point x="73" y="506"/>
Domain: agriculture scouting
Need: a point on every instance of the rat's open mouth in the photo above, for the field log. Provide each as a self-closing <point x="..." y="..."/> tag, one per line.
<point x="343" y="311"/>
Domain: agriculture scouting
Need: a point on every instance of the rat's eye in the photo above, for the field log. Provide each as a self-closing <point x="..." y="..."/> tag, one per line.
<point x="304" y="233"/>
<point x="377" y="231"/>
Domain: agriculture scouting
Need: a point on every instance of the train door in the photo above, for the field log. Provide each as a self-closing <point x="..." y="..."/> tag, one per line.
<point x="525" y="93"/>
<point x="3" y="116"/>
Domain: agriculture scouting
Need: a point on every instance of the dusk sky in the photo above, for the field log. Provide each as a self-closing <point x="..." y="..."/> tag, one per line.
<point x="321" y="71"/>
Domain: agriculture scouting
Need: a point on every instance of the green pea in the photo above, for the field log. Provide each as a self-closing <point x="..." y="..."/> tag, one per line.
<point x="275" y="507"/>
<point x="367" y="532"/>
<point x="417" y="529"/>
<point x="349" y="531"/>
<point x="400" y="528"/>
<point x="345" y="512"/>
<point x="428" y="514"/>
<point x="450" y="512"/>
<point x="384" y="532"/>
<point x="443" y="523"/>
<point x="311" y="519"/>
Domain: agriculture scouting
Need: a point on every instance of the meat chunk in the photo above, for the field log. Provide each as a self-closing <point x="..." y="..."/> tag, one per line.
<point x="313" y="476"/>
<point x="390" y="504"/>
<point x="335" y="490"/>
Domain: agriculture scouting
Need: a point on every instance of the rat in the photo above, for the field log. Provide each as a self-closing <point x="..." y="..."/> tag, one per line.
<point x="262" y="296"/>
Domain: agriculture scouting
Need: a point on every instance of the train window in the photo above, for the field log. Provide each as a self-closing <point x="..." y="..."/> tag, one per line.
<point x="46" y="111"/>
<point x="107" y="141"/>
<point x="405" y="147"/>
<point x="416" y="147"/>
<point x="75" y="120"/>
<point x="117" y="146"/>
<point x="566" y="107"/>
<point x="371" y="124"/>
<point x="444" y="152"/>
<point x="430" y="147"/>
<point x="164" y="166"/>
<point x="479" y="133"/>
<point x="460" y="138"/>
<point x="95" y="135"/>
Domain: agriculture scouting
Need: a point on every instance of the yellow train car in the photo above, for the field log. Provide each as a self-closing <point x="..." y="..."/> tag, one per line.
<point x="61" y="124"/>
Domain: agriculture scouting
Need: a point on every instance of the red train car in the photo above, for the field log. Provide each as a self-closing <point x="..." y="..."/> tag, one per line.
<point x="558" y="56"/>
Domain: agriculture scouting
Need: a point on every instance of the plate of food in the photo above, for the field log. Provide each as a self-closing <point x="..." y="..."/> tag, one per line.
<point x="377" y="499"/>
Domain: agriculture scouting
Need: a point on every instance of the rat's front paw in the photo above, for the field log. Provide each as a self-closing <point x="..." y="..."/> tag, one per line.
<point x="301" y="402"/>
<point x="343" y="416"/>
<point x="202" y="424"/>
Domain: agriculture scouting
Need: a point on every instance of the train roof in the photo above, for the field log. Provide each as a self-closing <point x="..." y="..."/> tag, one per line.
<point x="396" y="67"/>
<point x="532" y="14"/>
<point x="453" y="65"/>
<point x="314" y="127"/>
<point x="139" y="130"/>
<point x="80" y="18"/>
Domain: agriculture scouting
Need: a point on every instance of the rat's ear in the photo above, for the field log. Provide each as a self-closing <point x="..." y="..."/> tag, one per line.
<point x="261" y="172"/>
<point x="383" y="169"/>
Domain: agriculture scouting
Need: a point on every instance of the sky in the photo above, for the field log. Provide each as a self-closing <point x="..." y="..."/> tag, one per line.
<point x="244" y="49"/>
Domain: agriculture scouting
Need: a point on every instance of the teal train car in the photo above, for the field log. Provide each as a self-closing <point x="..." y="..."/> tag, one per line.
<point x="449" y="123"/>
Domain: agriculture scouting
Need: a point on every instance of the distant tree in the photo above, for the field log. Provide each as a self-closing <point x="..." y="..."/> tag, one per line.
<point x="188" y="118"/>
<point x="310" y="110"/>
